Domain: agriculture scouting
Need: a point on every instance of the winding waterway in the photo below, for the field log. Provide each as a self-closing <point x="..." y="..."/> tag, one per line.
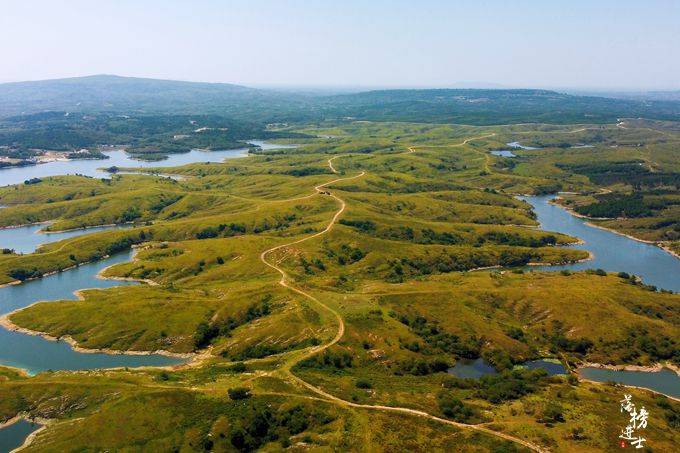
<point x="34" y="353"/>
<point x="611" y="252"/>
<point x="614" y="253"/>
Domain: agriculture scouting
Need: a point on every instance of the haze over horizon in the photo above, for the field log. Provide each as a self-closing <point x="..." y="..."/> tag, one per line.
<point x="264" y="43"/>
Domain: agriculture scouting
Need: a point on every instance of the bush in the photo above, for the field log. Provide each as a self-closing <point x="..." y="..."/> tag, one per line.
<point x="453" y="408"/>
<point x="239" y="393"/>
<point x="363" y="384"/>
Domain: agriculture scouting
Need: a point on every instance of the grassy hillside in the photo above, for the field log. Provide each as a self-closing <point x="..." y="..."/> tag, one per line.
<point x="327" y="289"/>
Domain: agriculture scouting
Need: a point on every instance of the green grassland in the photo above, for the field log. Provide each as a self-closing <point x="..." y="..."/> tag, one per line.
<point x="339" y="300"/>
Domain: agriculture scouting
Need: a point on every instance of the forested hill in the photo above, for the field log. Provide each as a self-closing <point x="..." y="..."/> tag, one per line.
<point x="477" y="106"/>
<point x="130" y="94"/>
<point x="467" y="106"/>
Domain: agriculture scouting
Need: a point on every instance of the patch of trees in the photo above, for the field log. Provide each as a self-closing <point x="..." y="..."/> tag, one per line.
<point x="631" y="172"/>
<point x="307" y="171"/>
<point x="615" y="205"/>
<point x="330" y="360"/>
<point x="453" y="408"/>
<point x="365" y="226"/>
<point x="500" y="387"/>
<point x="259" y="423"/>
<point x="207" y="331"/>
<point x="346" y="255"/>
<point x="452" y="262"/>
<point x="440" y="340"/>
<point x="222" y="230"/>
<point x="517" y="240"/>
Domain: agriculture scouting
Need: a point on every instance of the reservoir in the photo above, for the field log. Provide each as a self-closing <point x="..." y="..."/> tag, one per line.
<point x="117" y="158"/>
<point x="612" y="252"/>
<point x="34" y="353"/>
<point x="14" y="435"/>
<point x="27" y="239"/>
<point x="665" y="381"/>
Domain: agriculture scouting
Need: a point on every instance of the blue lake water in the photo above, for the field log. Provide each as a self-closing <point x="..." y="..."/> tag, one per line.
<point x="34" y="353"/>
<point x="665" y="381"/>
<point x="14" y="435"/>
<point x="503" y="153"/>
<point x="28" y="238"/>
<point x="612" y="252"/>
<point x="118" y="158"/>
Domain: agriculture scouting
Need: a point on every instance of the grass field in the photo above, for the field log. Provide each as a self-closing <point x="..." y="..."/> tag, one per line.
<point x="336" y="282"/>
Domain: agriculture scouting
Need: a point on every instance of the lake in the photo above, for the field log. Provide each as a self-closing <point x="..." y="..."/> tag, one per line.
<point x="665" y="381"/>
<point x="117" y="158"/>
<point x="612" y="252"/>
<point x="14" y="435"/>
<point x="27" y="239"/>
<point x="34" y="353"/>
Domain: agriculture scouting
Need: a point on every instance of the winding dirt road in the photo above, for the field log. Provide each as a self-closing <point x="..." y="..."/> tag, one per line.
<point x="287" y="367"/>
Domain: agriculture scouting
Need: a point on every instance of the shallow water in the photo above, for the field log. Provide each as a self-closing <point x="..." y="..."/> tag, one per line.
<point x="665" y="381"/>
<point x="34" y="353"/>
<point x="612" y="252"/>
<point x="28" y="238"/>
<point x="14" y="435"/>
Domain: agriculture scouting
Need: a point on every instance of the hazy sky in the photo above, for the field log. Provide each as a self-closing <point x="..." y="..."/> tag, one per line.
<point x="607" y="44"/>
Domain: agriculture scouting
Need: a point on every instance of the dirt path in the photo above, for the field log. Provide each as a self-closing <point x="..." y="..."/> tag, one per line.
<point x="296" y="358"/>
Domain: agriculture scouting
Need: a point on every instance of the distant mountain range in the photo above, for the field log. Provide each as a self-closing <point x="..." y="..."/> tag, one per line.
<point x="472" y="106"/>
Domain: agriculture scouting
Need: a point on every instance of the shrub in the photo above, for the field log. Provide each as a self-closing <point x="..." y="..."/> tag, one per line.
<point x="363" y="384"/>
<point x="239" y="393"/>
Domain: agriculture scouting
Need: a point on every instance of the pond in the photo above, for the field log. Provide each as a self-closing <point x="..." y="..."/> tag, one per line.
<point x="503" y="153"/>
<point x="518" y="146"/>
<point x="474" y="369"/>
<point x="665" y="381"/>
<point x="34" y="353"/>
<point x="13" y="436"/>
<point x="612" y="252"/>
<point x="551" y="366"/>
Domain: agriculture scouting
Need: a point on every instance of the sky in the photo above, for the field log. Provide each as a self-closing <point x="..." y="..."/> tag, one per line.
<point x="596" y="44"/>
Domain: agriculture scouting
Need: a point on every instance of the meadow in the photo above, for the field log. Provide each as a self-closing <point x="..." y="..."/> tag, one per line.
<point x="324" y="291"/>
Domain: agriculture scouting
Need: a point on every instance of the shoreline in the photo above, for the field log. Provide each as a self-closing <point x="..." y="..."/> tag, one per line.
<point x="7" y="324"/>
<point x="657" y="367"/>
<point x="589" y="222"/>
<point x="43" y="422"/>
